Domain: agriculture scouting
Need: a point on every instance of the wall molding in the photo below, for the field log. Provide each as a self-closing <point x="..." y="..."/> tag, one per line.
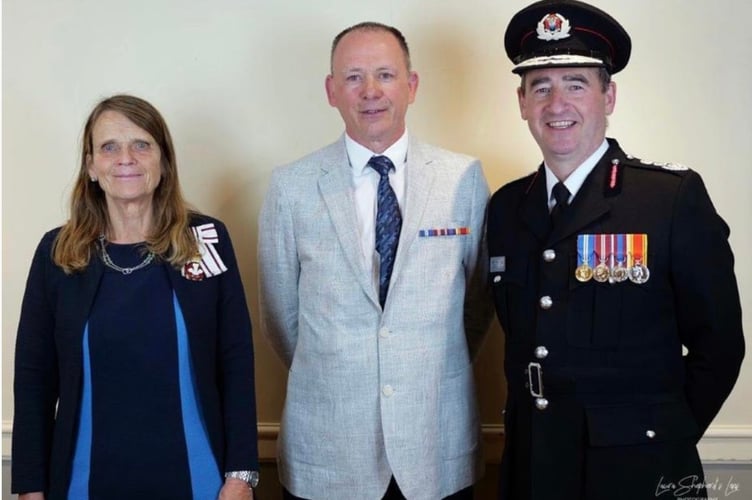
<point x="721" y="443"/>
<point x="7" y="428"/>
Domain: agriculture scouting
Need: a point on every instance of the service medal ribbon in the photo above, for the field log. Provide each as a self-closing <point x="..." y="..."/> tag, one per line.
<point x="444" y="231"/>
<point x="612" y="258"/>
<point x="619" y="272"/>
<point x="584" y="269"/>
<point x="637" y="261"/>
<point x="601" y="272"/>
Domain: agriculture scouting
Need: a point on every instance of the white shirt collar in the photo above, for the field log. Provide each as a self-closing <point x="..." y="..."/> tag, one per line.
<point x="577" y="177"/>
<point x="359" y="154"/>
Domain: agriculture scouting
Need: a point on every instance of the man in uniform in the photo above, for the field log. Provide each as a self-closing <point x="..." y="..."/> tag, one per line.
<point x="613" y="281"/>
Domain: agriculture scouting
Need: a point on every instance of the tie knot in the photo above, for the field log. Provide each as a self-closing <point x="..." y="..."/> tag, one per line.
<point x="561" y="194"/>
<point x="382" y="164"/>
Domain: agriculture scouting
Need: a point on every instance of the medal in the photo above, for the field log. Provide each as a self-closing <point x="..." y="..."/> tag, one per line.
<point x="619" y="271"/>
<point x="637" y="250"/>
<point x="206" y="262"/>
<point x="192" y="269"/>
<point x="638" y="273"/>
<point x="601" y="271"/>
<point x="584" y="271"/>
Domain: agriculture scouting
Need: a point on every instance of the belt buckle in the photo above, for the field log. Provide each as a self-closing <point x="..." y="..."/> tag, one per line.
<point x="535" y="378"/>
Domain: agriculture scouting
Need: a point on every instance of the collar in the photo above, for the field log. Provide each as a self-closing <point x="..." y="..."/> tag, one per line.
<point x="359" y="154"/>
<point x="577" y="177"/>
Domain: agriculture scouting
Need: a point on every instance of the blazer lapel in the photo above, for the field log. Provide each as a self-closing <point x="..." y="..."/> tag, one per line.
<point x="419" y="181"/>
<point x="78" y="295"/>
<point x="335" y="185"/>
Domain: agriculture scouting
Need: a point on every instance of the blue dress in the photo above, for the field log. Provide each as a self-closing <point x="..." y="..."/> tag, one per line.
<point x="141" y="433"/>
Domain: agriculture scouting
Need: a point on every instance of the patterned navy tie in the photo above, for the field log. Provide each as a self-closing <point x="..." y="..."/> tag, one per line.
<point x="561" y="195"/>
<point x="388" y="223"/>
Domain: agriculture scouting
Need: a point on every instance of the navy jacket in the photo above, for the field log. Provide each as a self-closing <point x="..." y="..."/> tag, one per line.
<point x="48" y="364"/>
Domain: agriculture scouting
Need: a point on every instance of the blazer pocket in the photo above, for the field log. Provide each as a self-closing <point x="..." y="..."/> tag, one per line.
<point x="640" y="424"/>
<point x="460" y="422"/>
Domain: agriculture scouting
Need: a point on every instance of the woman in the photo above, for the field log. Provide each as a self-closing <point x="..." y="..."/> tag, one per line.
<point x="134" y="361"/>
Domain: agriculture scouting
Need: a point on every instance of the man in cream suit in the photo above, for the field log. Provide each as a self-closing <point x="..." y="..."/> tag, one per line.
<point x="380" y="398"/>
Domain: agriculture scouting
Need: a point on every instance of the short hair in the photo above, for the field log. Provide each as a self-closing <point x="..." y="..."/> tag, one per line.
<point x="372" y="26"/>
<point x="603" y="76"/>
<point x="170" y="237"/>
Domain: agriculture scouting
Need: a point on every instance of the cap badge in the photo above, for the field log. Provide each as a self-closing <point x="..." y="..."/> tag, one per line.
<point x="553" y="27"/>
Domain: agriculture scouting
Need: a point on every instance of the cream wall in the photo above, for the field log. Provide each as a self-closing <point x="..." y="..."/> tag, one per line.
<point x="240" y="84"/>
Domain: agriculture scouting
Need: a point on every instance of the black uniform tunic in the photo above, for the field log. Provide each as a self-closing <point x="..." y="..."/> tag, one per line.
<point x="620" y="408"/>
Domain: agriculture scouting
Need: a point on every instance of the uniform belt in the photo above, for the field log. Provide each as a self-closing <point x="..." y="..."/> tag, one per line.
<point x="552" y="383"/>
<point x="539" y="380"/>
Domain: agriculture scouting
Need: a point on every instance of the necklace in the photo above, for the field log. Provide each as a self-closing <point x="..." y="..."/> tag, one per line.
<point x="125" y="270"/>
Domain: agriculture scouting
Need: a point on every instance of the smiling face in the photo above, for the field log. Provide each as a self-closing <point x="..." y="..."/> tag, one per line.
<point x="566" y="110"/>
<point x="125" y="160"/>
<point x="372" y="87"/>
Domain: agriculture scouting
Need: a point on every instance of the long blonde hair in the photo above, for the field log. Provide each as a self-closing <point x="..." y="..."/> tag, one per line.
<point x="171" y="238"/>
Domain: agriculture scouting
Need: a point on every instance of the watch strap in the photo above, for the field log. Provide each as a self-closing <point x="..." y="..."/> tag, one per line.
<point x="249" y="476"/>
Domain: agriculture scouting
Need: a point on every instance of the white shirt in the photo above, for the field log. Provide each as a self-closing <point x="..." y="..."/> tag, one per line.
<point x="365" y="187"/>
<point x="576" y="178"/>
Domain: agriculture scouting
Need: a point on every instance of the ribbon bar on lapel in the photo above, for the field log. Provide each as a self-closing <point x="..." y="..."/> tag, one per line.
<point x="446" y="231"/>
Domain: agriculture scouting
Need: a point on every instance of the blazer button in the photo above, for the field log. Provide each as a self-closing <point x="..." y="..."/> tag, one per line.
<point x="541" y="403"/>
<point x="546" y="302"/>
<point x="388" y="390"/>
<point x="549" y="255"/>
<point x="650" y="434"/>
<point x="541" y="352"/>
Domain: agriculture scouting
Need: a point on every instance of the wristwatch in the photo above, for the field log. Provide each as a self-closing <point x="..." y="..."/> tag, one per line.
<point x="249" y="476"/>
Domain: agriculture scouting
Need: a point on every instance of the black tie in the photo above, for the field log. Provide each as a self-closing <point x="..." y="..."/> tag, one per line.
<point x="561" y="195"/>
<point x="388" y="223"/>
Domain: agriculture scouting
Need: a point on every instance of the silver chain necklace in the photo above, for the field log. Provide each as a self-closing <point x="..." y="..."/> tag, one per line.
<point x="125" y="270"/>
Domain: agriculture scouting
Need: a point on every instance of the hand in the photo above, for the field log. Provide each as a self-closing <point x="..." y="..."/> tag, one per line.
<point x="234" y="489"/>
<point x="36" y="495"/>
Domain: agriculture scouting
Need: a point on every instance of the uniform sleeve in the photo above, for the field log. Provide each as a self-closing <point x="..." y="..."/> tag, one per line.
<point x="478" y="306"/>
<point x="279" y="271"/>
<point x="36" y="384"/>
<point x="707" y="300"/>
<point x="236" y="366"/>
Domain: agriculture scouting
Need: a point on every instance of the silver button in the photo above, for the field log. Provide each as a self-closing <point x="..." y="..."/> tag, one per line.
<point x="541" y="352"/>
<point x="384" y="333"/>
<point x="549" y="255"/>
<point x="497" y="279"/>
<point x="541" y="403"/>
<point x="388" y="390"/>
<point x="650" y="434"/>
<point x="546" y="302"/>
